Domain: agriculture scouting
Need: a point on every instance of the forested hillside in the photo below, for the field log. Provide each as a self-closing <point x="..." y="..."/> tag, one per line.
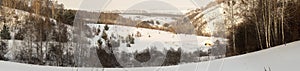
<point x="250" y="25"/>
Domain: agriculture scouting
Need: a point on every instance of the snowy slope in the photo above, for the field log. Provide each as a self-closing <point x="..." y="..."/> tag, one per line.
<point x="16" y="19"/>
<point x="15" y="15"/>
<point x="157" y="20"/>
<point x="162" y="20"/>
<point x="280" y="58"/>
<point x="159" y="39"/>
<point x="209" y="21"/>
<point x="220" y="17"/>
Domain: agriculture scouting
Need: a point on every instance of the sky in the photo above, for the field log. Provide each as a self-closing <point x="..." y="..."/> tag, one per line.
<point x="95" y="5"/>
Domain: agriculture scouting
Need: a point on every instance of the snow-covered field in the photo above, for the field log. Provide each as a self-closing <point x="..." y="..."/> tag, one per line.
<point x="156" y="38"/>
<point x="280" y="58"/>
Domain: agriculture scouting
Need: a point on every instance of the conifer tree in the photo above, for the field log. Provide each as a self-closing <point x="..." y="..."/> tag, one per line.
<point x="5" y="34"/>
<point x="106" y="27"/>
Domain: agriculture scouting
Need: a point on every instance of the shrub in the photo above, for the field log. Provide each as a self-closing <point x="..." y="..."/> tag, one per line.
<point x="157" y="22"/>
<point x="5" y="34"/>
<point x="99" y="42"/>
<point x="144" y="24"/>
<point x="106" y="27"/>
<point x="107" y="59"/>
<point x="166" y="25"/>
<point x="173" y="57"/>
<point x="128" y="45"/>
<point x="143" y="56"/>
<point x="20" y="34"/>
<point x="130" y="39"/>
<point x="3" y="50"/>
<point x="98" y="31"/>
<point x="104" y="36"/>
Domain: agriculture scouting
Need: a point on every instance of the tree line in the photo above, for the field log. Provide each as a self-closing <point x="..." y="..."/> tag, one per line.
<point x="47" y="8"/>
<point x="44" y="35"/>
<point x="268" y="23"/>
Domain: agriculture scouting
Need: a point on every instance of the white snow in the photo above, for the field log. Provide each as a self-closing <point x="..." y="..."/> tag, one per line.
<point x="161" y="19"/>
<point x="159" y="39"/>
<point x="280" y="58"/>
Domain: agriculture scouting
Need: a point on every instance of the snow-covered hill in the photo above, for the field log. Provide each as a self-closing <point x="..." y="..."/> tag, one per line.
<point x="155" y="38"/>
<point x="148" y="38"/>
<point x="161" y="20"/>
<point x="161" y="41"/>
<point x="280" y="58"/>
<point x="16" y="18"/>
<point x="209" y="21"/>
<point x="220" y="17"/>
<point x="20" y="24"/>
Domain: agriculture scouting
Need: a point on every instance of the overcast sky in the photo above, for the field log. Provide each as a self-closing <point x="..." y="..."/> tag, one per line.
<point x="95" y="5"/>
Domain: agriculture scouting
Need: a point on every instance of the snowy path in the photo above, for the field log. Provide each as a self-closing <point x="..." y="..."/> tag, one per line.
<point x="280" y="58"/>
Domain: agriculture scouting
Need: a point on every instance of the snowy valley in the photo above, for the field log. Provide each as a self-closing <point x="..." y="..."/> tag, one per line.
<point x="225" y="35"/>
